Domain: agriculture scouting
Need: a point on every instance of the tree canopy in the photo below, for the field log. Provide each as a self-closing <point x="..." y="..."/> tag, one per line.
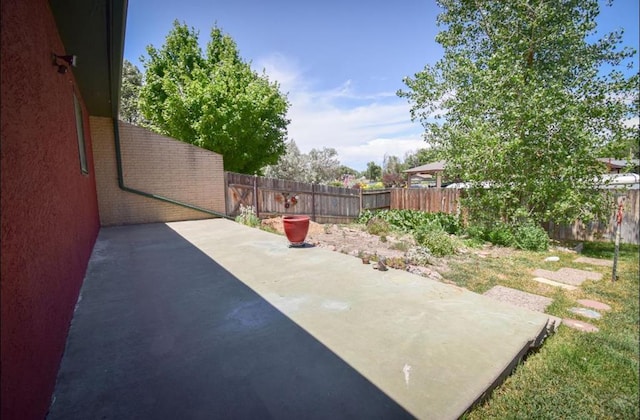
<point x="318" y="166"/>
<point x="130" y="93"/>
<point x="524" y="100"/>
<point x="373" y="171"/>
<point x="214" y="100"/>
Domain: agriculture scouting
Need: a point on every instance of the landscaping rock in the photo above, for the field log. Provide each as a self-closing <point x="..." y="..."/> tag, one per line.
<point x="594" y="304"/>
<point x="519" y="298"/>
<point x="570" y="276"/>
<point x="552" y="259"/>
<point x="587" y="313"/>
<point x="580" y="325"/>
<point x="594" y="261"/>
<point x="554" y="283"/>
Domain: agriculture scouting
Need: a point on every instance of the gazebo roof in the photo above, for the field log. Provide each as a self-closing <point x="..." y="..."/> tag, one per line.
<point x="429" y="168"/>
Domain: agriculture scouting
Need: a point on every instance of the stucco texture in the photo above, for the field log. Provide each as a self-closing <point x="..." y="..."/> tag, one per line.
<point x="49" y="208"/>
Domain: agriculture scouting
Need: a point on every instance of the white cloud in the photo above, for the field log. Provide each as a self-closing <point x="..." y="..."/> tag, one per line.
<point x="632" y="122"/>
<point x="362" y="127"/>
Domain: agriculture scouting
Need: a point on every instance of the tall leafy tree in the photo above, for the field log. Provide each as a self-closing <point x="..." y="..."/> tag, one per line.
<point x="130" y="93"/>
<point x="318" y="166"/>
<point x="214" y="100"/>
<point x="373" y="171"/>
<point x="422" y="157"/>
<point x="524" y="99"/>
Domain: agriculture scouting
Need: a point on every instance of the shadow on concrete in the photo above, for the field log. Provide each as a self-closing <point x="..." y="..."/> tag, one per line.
<point x="163" y="331"/>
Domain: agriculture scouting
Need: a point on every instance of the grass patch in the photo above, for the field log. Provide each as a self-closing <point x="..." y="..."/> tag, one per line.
<point x="574" y="375"/>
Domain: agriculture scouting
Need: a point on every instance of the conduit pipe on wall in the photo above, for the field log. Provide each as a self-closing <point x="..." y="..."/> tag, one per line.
<point x="115" y="69"/>
<point x="121" y="184"/>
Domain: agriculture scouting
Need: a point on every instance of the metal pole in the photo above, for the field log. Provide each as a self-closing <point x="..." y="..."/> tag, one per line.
<point x="614" y="274"/>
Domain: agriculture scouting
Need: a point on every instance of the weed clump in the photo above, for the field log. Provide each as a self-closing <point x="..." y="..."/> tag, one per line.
<point x="248" y="216"/>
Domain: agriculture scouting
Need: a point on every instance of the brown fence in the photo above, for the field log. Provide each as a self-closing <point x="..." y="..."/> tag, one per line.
<point x="375" y="199"/>
<point x="431" y="200"/>
<point x="599" y="231"/>
<point x="324" y="203"/>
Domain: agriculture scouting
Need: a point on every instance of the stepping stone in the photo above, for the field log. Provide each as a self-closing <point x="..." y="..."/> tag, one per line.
<point x="594" y="304"/>
<point x="519" y="298"/>
<point x="580" y="325"/>
<point x="554" y="283"/>
<point x="570" y="276"/>
<point x="594" y="261"/>
<point x="587" y="313"/>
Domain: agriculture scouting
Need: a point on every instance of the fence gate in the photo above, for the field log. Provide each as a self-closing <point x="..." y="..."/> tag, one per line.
<point x="241" y="190"/>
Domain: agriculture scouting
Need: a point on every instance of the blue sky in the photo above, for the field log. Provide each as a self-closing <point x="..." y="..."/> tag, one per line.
<point x="340" y="62"/>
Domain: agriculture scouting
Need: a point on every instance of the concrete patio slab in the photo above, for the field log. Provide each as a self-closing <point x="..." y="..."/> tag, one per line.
<point x="212" y="319"/>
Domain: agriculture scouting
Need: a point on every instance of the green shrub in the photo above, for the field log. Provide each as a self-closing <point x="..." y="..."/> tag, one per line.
<point x="409" y="220"/>
<point x="476" y="231"/>
<point x="531" y="237"/>
<point x="501" y="234"/>
<point x="437" y="241"/>
<point x="400" y="246"/>
<point x="524" y="235"/>
<point x="419" y="255"/>
<point x="248" y="216"/>
<point x="378" y="226"/>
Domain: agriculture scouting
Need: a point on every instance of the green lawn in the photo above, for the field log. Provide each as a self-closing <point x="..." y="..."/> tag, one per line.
<point x="574" y="375"/>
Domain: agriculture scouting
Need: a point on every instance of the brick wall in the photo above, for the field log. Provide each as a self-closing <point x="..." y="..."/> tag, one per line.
<point x="158" y="165"/>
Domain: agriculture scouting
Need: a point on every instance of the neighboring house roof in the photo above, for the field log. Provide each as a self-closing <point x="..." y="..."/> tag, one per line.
<point x="93" y="30"/>
<point x="429" y="168"/>
<point x="619" y="163"/>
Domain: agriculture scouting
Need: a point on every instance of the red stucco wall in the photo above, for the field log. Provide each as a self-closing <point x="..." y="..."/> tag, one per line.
<point x="49" y="215"/>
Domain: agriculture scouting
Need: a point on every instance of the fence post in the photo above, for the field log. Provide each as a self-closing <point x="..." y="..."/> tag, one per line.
<point x="255" y="195"/>
<point x="313" y="202"/>
<point x="226" y="192"/>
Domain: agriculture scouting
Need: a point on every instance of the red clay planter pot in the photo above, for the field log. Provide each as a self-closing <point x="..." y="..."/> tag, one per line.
<point x="296" y="228"/>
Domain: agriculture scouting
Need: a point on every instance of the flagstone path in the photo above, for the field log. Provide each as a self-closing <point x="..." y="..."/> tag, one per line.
<point x="566" y="278"/>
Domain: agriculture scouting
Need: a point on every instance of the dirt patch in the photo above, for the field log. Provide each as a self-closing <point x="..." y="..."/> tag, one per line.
<point x="394" y="249"/>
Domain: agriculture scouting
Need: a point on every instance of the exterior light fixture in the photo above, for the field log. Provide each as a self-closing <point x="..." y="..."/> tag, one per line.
<point x="69" y="59"/>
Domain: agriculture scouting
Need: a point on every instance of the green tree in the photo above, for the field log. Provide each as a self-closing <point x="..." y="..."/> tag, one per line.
<point x="422" y="157"/>
<point x="130" y="93"/>
<point x="291" y="165"/>
<point x="214" y="101"/>
<point x="373" y="171"/>
<point x="318" y="166"/>
<point x="345" y="170"/>
<point x="323" y="165"/>
<point x="392" y="171"/>
<point x="522" y="99"/>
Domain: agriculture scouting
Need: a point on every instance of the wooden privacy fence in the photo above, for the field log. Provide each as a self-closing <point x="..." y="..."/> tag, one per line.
<point x="600" y="231"/>
<point x="375" y="199"/>
<point x="327" y="204"/>
<point x="324" y="203"/>
<point x="430" y="200"/>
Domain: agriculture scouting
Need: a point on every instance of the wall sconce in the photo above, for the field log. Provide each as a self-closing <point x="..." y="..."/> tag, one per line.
<point x="69" y="59"/>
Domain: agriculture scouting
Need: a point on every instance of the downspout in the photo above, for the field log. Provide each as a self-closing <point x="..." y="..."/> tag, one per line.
<point x="121" y="184"/>
<point x="115" y="68"/>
